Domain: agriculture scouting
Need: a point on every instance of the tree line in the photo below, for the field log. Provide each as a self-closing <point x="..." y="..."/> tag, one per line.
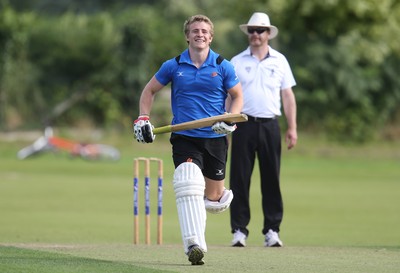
<point x="61" y="65"/>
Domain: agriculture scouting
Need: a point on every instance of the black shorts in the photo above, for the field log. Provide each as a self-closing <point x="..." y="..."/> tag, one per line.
<point x="210" y="154"/>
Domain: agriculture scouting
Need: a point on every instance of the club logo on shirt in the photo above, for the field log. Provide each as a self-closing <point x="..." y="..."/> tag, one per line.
<point x="214" y="74"/>
<point x="248" y="69"/>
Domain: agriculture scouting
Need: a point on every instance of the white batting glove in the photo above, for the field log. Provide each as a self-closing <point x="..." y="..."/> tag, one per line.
<point x="143" y="130"/>
<point x="223" y="128"/>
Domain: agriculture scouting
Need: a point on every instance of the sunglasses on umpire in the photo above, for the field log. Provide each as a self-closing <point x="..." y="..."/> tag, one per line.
<point x="258" y="30"/>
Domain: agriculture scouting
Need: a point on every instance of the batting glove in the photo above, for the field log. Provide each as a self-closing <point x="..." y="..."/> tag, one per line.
<point x="223" y="128"/>
<point x="143" y="130"/>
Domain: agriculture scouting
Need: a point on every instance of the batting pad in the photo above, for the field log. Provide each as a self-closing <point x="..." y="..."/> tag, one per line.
<point x="189" y="188"/>
<point x="221" y="205"/>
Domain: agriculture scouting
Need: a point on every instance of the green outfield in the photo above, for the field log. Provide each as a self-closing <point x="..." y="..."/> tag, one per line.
<point x="63" y="214"/>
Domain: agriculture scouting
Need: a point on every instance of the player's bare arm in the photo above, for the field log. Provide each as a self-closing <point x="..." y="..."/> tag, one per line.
<point x="142" y="127"/>
<point x="147" y="97"/>
<point x="236" y="99"/>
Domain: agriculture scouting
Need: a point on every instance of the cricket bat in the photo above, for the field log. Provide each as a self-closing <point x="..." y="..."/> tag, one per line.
<point x="200" y="123"/>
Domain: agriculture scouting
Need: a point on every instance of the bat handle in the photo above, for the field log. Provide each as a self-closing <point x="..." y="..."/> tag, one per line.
<point x="162" y="130"/>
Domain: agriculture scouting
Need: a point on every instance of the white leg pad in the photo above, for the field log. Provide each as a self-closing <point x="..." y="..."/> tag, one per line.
<point x="189" y="188"/>
<point x="221" y="205"/>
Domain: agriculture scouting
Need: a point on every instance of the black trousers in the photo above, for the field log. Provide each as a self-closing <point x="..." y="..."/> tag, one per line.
<point x="251" y="139"/>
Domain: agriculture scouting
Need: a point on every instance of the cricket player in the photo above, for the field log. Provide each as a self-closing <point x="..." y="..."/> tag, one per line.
<point x="200" y="81"/>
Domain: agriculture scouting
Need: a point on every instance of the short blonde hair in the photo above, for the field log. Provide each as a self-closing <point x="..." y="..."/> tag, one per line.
<point x="197" y="18"/>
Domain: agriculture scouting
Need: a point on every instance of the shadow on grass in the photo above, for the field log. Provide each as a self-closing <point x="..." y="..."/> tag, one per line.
<point x="13" y="259"/>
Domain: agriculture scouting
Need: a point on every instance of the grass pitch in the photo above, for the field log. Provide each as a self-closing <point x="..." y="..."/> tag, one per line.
<point x="62" y="214"/>
<point x="168" y="258"/>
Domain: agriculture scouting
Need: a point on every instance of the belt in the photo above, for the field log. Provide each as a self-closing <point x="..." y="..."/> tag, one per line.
<point x="255" y="119"/>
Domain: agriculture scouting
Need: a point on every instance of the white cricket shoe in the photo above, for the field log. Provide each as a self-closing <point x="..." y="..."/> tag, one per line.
<point x="272" y="239"/>
<point x="239" y="239"/>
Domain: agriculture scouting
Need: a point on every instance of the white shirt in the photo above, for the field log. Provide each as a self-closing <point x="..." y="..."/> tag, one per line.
<point x="262" y="82"/>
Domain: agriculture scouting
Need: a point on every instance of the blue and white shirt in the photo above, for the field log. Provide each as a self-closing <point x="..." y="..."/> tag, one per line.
<point x="197" y="92"/>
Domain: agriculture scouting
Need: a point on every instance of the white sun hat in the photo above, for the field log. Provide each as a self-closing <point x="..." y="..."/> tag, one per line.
<point x="259" y="19"/>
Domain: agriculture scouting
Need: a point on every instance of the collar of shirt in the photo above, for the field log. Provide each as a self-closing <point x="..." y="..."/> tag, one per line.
<point x="211" y="58"/>
<point x="271" y="52"/>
